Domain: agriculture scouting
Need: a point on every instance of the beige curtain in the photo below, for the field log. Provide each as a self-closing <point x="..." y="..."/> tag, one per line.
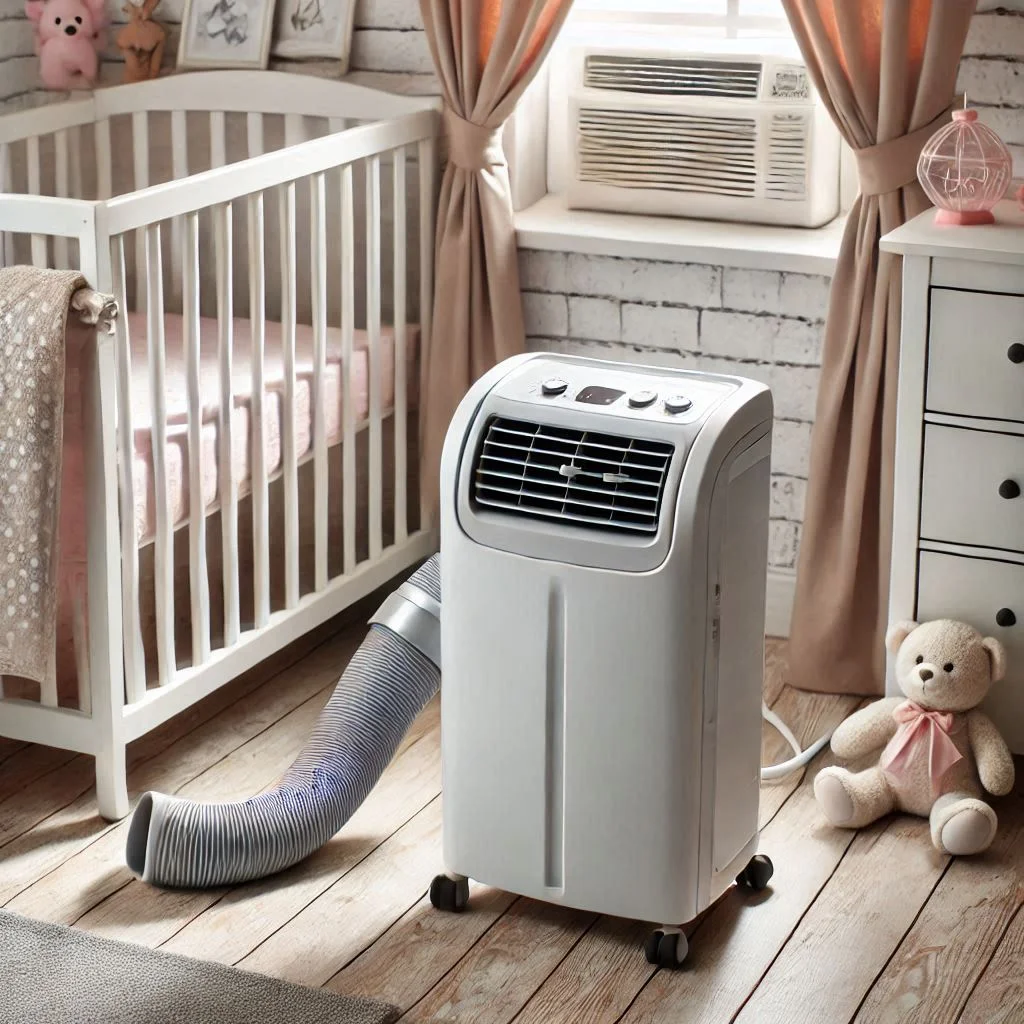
<point x="486" y="52"/>
<point x="887" y="70"/>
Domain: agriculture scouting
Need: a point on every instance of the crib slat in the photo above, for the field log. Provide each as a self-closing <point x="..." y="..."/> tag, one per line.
<point x="40" y="257"/>
<point x="131" y="627"/>
<point x="199" y="584"/>
<point x="75" y="149"/>
<point x="294" y="129"/>
<point x="348" y="312"/>
<point x="427" y="159"/>
<point x="373" y="258"/>
<point x="62" y="188"/>
<point x="140" y="169"/>
<point x="104" y="160"/>
<point x="399" y="242"/>
<point x="260" y="494"/>
<point x="336" y="124"/>
<point x="163" y="552"/>
<point x="218" y="139"/>
<point x="222" y="230"/>
<point x="289" y="455"/>
<point x="318" y="276"/>
<point x="179" y="170"/>
<point x="6" y="185"/>
<point x="254" y="134"/>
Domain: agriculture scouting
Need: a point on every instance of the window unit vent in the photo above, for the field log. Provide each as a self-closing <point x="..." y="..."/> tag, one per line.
<point x="787" y="157"/>
<point x="659" y="149"/>
<point x="673" y="76"/>
<point x="579" y="477"/>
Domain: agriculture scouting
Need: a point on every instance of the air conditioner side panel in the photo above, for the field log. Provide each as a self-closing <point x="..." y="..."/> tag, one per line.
<point x="743" y="572"/>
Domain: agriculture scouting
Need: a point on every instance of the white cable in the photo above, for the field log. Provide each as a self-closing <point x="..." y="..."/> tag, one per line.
<point x="803" y="757"/>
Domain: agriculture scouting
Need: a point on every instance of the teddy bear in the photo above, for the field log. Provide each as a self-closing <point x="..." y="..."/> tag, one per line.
<point x="939" y="753"/>
<point x="68" y="37"/>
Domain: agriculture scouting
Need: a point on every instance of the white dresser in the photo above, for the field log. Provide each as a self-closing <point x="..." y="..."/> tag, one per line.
<point x="958" y="531"/>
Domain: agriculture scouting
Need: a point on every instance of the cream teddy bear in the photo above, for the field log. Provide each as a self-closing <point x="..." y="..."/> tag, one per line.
<point x="939" y="752"/>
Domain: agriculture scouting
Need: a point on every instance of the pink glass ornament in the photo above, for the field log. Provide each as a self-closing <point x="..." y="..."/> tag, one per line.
<point x="964" y="170"/>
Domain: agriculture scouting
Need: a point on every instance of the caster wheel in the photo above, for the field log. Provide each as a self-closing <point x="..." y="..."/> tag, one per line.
<point x="449" y="894"/>
<point x="666" y="949"/>
<point x="757" y="874"/>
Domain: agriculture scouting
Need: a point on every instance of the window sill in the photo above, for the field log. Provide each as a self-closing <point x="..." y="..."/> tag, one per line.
<point x="549" y="224"/>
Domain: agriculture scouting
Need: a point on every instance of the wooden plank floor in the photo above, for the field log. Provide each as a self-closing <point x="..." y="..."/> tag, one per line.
<point x="867" y="927"/>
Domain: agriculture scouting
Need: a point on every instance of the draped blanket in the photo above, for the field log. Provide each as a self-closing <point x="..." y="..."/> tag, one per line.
<point x="34" y="307"/>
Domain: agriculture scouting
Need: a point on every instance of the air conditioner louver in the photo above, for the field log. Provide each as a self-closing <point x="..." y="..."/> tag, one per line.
<point x="668" y="76"/>
<point x="644" y="149"/>
<point x="576" y="476"/>
<point x="787" y="157"/>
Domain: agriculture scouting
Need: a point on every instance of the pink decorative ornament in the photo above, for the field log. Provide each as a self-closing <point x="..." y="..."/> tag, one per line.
<point x="964" y="170"/>
<point x="68" y="37"/>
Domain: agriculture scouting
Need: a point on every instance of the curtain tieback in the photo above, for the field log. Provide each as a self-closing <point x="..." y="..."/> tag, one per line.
<point x="472" y="147"/>
<point x="893" y="164"/>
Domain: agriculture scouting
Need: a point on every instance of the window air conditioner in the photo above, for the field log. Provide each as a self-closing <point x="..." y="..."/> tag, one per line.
<point x="716" y="135"/>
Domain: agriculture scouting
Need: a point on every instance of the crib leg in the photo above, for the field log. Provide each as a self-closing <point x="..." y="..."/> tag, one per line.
<point x="112" y="783"/>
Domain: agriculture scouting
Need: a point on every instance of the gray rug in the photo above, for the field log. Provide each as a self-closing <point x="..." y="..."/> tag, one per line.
<point x="55" y="975"/>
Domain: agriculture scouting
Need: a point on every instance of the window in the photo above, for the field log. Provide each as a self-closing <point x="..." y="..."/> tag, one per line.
<point x="730" y="19"/>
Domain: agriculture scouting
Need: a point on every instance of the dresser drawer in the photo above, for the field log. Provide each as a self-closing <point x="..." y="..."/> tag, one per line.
<point x="970" y="369"/>
<point x="961" y="479"/>
<point x="973" y="590"/>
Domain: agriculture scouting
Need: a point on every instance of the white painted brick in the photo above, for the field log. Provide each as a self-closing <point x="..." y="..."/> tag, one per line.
<point x="737" y="335"/>
<point x="783" y="538"/>
<point x="771" y="338"/>
<point x="388" y="14"/>
<point x="791" y="448"/>
<point x="383" y="50"/>
<point x="797" y="342"/>
<point x="686" y="284"/>
<point x="991" y="81"/>
<point x="995" y="34"/>
<point x="766" y="291"/>
<point x="660" y="327"/>
<point x="1006" y="122"/>
<point x="795" y="390"/>
<point x="546" y="315"/>
<point x="594" y="319"/>
<point x="541" y="271"/>
<point x="788" y="494"/>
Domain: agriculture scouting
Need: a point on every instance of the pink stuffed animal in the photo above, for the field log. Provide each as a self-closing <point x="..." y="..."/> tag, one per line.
<point x="68" y="38"/>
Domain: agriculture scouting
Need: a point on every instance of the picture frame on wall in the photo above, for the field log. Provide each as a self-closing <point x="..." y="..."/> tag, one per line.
<point x="226" y="34"/>
<point x="314" y="29"/>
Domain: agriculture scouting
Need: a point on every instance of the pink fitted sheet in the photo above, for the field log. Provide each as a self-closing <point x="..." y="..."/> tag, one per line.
<point x="175" y="385"/>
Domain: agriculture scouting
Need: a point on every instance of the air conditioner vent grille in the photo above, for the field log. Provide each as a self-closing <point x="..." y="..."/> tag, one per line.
<point x="658" y="149"/>
<point x="575" y="476"/>
<point x="787" y="157"/>
<point x="673" y="76"/>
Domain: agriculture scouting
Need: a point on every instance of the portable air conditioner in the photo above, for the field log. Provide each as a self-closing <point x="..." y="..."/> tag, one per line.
<point x="604" y="533"/>
<point x="723" y="134"/>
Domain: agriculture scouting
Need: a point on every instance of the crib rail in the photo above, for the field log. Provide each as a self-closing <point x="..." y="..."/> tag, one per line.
<point x="224" y="217"/>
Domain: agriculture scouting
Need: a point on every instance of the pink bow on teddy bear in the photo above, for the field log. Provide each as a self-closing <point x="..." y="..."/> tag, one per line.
<point x="68" y="36"/>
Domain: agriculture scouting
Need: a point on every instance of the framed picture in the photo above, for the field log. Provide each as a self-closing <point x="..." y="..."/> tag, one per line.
<point x="226" y="34"/>
<point x="310" y="29"/>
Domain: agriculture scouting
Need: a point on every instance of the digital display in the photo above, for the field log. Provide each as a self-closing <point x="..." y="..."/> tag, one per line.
<point x="599" y="396"/>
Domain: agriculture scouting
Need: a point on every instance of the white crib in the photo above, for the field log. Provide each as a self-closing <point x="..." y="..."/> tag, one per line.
<point x="272" y="255"/>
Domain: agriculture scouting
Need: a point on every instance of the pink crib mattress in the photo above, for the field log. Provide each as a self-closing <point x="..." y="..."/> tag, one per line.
<point x="177" y="469"/>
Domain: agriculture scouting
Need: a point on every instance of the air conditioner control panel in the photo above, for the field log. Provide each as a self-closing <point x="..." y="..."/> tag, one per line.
<point x="653" y="395"/>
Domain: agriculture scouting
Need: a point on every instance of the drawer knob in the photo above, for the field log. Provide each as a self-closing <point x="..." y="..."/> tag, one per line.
<point x="1009" y="489"/>
<point x="1015" y="353"/>
<point x="1005" y="617"/>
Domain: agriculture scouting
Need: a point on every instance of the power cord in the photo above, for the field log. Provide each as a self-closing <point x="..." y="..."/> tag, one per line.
<point x="779" y="771"/>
